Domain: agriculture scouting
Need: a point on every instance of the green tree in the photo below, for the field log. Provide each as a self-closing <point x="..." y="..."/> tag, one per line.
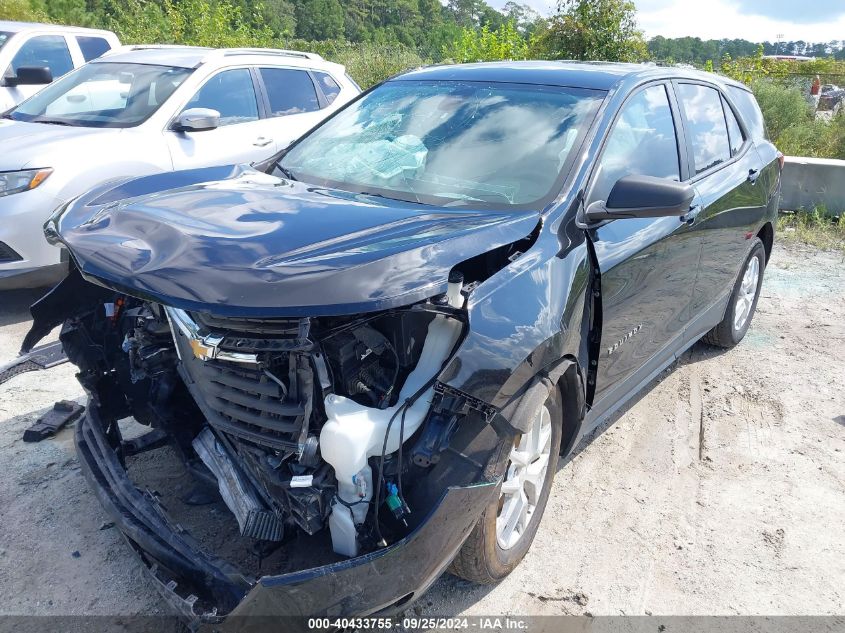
<point x="467" y="13"/>
<point x="137" y="21"/>
<point x="276" y="15"/>
<point x="74" y="12"/>
<point x="526" y="19"/>
<point x="485" y="45"/>
<point x="319" y="19"/>
<point x="193" y="22"/>
<point x="593" y="30"/>
<point x="21" y="11"/>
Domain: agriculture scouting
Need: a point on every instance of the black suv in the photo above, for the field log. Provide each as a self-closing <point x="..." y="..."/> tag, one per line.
<point x="371" y="350"/>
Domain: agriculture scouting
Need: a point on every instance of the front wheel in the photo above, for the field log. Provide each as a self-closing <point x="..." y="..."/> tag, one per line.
<point x="506" y="529"/>
<point x="743" y="301"/>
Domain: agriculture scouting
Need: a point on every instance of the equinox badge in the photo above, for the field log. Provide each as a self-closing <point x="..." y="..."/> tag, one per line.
<point x="623" y="340"/>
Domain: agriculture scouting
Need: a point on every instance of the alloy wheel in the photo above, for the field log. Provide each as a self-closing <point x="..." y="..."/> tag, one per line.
<point x="747" y="293"/>
<point x="524" y="480"/>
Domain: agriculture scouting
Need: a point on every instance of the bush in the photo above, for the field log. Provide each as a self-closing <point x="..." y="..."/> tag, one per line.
<point x="192" y="22"/>
<point x="815" y="227"/>
<point x="21" y="11"/>
<point x="783" y="106"/>
<point x="473" y="45"/>
<point x="366" y="63"/>
<point x="791" y="123"/>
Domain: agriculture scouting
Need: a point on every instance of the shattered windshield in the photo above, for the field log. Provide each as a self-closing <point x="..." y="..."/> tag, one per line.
<point x="450" y="143"/>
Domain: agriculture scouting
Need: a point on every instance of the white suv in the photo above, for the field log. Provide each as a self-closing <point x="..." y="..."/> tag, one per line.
<point x="33" y="55"/>
<point x="142" y="110"/>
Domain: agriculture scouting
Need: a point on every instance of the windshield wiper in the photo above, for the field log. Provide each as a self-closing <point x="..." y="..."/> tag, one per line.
<point x="52" y="121"/>
<point x="381" y="195"/>
<point x="286" y="172"/>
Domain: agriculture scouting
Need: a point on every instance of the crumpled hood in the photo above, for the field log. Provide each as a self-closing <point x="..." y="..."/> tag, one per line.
<point x="27" y="145"/>
<point x="256" y="245"/>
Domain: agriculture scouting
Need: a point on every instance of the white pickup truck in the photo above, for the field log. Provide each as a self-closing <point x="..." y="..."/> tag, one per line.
<point x="32" y="55"/>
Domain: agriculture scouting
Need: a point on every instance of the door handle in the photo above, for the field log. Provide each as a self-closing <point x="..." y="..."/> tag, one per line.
<point x="262" y="141"/>
<point x="690" y="216"/>
<point x="753" y="175"/>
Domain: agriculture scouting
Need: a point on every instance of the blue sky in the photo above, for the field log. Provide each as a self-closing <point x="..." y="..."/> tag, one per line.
<point x="758" y="20"/>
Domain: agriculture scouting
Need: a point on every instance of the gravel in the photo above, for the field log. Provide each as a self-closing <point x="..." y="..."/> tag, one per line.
<point x="719" y="490"/>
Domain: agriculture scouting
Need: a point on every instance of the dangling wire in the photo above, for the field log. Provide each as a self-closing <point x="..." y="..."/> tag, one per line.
<point x="381" y="471"/>
<point x="409" y="402"/>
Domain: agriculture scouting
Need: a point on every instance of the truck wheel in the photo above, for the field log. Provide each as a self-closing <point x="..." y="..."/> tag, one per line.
<point x="504" y="532"/>
<point x="743" y="301"/>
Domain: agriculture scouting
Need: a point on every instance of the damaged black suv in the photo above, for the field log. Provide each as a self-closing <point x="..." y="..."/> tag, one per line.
<point x="368" y="353"/>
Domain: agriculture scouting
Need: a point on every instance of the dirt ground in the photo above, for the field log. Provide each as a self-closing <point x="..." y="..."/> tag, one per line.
<point x="719" y="490"/>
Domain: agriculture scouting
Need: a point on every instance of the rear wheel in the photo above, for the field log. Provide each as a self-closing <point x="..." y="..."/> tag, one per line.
<point x="507" y="527"/>
<point x="743" y="301"/>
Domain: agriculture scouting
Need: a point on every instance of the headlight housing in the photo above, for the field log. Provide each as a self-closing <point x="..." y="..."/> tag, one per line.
<point x="23" y="180"/>
<point x="369" y="361"/>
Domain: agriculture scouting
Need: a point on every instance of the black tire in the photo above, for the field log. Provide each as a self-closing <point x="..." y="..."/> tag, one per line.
<point x="481" y="559"/>
<point x="726" y="334"/>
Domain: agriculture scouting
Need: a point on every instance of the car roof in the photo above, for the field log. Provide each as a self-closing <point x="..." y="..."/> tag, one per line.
<point x="195" y="56"/>
<point x="181" y="56"/>
<point x="591" y="75"/>
<point x="9" y="26"/>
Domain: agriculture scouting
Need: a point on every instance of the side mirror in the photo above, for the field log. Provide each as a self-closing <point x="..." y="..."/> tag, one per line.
<point x="30" y="76"/>
<point x="196" y="120"/>
<point x="642" y="197"/>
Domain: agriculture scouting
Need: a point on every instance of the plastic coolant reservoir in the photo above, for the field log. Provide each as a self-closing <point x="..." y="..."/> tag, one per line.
<point x="354" y="433"/>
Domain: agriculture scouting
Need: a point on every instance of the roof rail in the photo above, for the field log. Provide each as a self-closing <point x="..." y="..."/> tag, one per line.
<point x="125" y="48"/>
<point x="144" y="47"/>
<point x="231" y="52"/>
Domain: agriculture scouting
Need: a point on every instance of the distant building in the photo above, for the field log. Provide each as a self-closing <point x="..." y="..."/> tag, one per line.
<point x="789" y="58"/>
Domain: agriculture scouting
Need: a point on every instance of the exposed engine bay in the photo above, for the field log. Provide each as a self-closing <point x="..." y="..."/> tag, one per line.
<point x="298" y="422"/>
<point x="312" y="432"/>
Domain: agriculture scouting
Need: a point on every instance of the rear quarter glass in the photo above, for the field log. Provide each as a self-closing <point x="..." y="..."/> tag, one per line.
<point x="749" y="111"/>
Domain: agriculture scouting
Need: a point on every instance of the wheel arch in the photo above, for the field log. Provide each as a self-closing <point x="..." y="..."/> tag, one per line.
<point x="567" y="377"/>
<point x="571" y="388"/>
<point x="767" y="236"/>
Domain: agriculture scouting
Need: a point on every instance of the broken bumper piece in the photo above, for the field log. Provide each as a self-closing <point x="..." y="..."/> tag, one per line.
<point x="207" y="589"/>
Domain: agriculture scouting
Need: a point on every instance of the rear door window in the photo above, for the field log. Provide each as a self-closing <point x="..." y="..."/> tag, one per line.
<point x="643" y="142"/>
<point x="92" y="47"/>
<point x="289" y="91"/>
<point x="44" y="50"/>
<point x="706" y="127"/>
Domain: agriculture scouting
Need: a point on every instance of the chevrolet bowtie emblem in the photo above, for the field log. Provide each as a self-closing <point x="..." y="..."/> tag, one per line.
<point x="205" y="348"/>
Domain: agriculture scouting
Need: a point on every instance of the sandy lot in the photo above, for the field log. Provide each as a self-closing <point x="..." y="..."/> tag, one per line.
<point x="720" y="490"/>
